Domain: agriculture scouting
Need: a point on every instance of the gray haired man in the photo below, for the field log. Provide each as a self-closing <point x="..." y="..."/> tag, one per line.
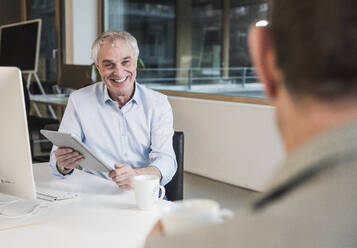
<point x="125" y="124"/>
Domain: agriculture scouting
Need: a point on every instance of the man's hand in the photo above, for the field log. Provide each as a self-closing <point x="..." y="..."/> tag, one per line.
<point x="67" y="159"/>
<point x="123" y="175"/>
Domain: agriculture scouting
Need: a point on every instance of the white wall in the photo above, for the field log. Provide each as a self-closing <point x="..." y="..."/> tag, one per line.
<point x="84" y="21"/>
<point x="236" y="143"/>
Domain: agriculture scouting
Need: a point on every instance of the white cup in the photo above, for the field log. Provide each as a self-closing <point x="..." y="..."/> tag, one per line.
<point x="147" y="189"/>
<point x="186" y="215"/>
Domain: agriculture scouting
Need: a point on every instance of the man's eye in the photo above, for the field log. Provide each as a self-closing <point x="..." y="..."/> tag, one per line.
<point x="108" y="65"/>
<point x="125" y="62"/>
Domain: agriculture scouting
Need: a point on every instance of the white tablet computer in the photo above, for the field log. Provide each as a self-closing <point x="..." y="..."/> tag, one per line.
<point x="67" y="140"/>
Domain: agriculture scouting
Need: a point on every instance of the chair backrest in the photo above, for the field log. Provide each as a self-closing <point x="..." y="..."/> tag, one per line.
<point x="27" y="97"/>
<point x="74" y="76"/>
<point x="174" y="189"/>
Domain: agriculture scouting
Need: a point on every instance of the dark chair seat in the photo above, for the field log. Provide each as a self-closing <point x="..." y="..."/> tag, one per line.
<point x="174" y="189"/>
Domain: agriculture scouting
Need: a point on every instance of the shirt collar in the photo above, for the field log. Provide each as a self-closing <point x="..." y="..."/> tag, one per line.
<point x="106" y="96"/>
<point x="134" y="99"/>
<point x="136" y="96"/>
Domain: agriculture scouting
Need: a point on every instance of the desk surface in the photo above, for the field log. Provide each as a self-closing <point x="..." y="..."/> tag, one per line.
<point x="54" y="99"/>
<point x="59" y="101"/>
<point x="102" y="216"/>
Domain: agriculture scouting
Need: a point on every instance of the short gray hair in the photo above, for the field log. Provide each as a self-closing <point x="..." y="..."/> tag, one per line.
<point x="113" y="35"/>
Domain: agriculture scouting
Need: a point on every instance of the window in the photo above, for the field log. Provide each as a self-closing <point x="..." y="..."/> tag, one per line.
<point x="206" y="33"/>
<point x="45" y="10"/>
<point x="191" y="45"/>
<point x="152" y="23"/>
<point x="242" y="15"/>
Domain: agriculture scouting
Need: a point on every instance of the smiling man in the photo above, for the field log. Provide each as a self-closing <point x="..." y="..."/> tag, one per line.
<point x="127" y="125"/>
<point x="116" y="63"/>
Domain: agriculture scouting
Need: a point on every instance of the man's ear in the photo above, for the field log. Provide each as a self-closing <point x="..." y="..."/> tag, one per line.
<point x="97" y="66"/>
<point x="263" y="56"/>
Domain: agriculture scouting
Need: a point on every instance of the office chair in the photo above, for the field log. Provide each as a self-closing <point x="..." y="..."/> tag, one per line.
<point x="35" y="124"/>
<point x="74" y="76"/>
<point x="174" y="189"/>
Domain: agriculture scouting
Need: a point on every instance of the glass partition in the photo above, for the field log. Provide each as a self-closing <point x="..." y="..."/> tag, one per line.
<point x="195" y="46"/>
<point x="45" y="10"/>
<point x="206" y="34"/>
<point x="151" y="22"/>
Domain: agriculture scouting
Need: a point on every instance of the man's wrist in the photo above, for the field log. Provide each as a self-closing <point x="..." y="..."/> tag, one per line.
<point x="63" y="170"/>
<point x="150" y="169"/>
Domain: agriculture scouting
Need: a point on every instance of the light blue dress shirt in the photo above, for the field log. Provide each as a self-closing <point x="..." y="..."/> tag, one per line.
<point x="138" y="134"/>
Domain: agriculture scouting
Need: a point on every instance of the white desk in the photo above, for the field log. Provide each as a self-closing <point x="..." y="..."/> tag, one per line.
<point x="102" y="216"/>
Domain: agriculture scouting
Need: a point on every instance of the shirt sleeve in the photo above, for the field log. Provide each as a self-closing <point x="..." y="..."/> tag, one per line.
<point x="162" y="154"/>
<point x="70" y="124"/>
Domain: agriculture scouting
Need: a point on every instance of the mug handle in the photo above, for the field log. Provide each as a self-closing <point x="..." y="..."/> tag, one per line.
<point x="162" y="192"/>
<point x="225" y="214"/>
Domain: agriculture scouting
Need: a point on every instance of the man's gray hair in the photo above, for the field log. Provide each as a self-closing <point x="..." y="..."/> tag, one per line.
<point x="112" y="36"/>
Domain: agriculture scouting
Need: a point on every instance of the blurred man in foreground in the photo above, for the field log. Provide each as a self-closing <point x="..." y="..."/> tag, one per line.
<point x="307" y="60"/>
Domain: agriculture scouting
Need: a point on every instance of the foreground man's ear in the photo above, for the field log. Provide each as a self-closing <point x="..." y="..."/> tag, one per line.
<point x="263" y="56"/>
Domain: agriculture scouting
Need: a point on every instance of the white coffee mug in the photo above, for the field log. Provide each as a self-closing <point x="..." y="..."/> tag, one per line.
<point x="186" y="215"/>
<point x="147" y="189"/>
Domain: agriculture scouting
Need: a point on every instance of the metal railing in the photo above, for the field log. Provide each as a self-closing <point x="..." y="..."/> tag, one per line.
<point x="196" y="76"/>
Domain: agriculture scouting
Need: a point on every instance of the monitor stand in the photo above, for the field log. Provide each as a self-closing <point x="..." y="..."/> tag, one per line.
<point x="30" y="74"/>
<point x="12" y="207"/>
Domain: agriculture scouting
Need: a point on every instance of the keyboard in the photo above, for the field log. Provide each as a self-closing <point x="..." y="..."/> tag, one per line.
<point x="55" y="195"/>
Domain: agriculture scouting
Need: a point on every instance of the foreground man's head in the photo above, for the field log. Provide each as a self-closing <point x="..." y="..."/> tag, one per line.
<point x="306" y="59"/>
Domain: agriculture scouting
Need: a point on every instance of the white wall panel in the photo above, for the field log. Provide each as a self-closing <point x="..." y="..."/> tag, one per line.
<point x="84" y="30"/>
<point x="236" y="143"/>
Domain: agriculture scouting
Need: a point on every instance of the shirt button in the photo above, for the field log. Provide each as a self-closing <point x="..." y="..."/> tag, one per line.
<point x="125" y="154"/>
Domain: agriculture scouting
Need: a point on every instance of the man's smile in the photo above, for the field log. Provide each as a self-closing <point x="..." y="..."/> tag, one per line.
<point x="118" y="80"/>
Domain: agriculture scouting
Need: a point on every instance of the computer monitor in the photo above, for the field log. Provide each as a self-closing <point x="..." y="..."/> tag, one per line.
<point x="16" y="174"/>
<point x="20" y="45"/>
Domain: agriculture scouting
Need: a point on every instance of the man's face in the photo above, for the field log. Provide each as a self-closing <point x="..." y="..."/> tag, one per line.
<point x="117" y="67"/>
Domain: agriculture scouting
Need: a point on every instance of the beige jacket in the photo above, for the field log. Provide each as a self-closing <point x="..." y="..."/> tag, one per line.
<point x="311" y="202"/>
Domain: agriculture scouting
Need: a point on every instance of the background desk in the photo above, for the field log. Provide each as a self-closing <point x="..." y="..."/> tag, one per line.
<point x="102" y="216"/>
<point x="58" y="101"/>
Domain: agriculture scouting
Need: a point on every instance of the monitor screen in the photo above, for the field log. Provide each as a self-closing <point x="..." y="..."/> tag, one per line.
<point x="20" y="44"/>
<point x="16" y="175"/>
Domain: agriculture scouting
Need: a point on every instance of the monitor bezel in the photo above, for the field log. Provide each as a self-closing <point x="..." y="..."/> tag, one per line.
<point x="39" y="21"/>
